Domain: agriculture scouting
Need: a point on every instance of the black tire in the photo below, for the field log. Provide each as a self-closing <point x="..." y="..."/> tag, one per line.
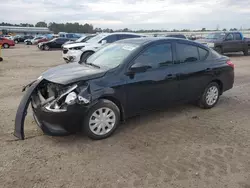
<point x="85" y="56"/>
<point x="45" y="47"/>
<point x="246" y="53"/>
<point x="1" y="59"/>
<point x="203" y="102"/>
<point x="219" y="50"/>
<point x="103" y="103"/>
<point x="5" y="45"/>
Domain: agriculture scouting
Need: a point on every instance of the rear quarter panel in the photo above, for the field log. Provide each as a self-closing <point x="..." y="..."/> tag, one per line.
<point x="223" y="73"/>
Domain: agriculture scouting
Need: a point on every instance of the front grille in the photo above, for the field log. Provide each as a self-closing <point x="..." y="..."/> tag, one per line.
<point x="65" y="50"/>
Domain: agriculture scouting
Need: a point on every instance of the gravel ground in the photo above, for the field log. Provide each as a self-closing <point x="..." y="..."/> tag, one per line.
<point x="184" y="146"/>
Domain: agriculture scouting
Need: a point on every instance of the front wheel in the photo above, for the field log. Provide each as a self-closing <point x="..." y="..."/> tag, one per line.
<point x="6" y="45"/>
<point x="16" y="41"/>
<point x="46" y="47"/>
<point x="210" y="96"/>
<point x="85" y="56"/>
<point x="101" y="120"/>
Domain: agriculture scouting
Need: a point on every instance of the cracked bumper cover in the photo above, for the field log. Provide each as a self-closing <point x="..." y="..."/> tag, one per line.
<point x="59" y="123"/>
<point x="51" y="123"/>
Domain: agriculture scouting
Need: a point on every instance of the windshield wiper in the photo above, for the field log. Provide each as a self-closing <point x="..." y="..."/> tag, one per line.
<point x="94" y="65"/>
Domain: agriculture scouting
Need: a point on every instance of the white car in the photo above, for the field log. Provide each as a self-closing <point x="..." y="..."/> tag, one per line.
<point x="81" y="51"/>
<point x="8" y="37"/>
<point x="33" y="41"/>
<point x="80" y="40"/>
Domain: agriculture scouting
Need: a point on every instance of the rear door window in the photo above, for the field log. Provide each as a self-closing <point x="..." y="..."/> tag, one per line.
<point x="186" y="53"/>
<point x="111" y="38"/>
<point x="202" y="53"/>
<point x="126" y="36"/>
<point x="237" y="36"/>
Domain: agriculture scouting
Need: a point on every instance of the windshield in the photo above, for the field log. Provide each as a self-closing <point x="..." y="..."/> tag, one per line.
<point x="112" y="55"/>
<point x="80" y="39"/>
<point x="215" y="36"/>
<point x="96" y="39"/>
<point x="53" y="39"/>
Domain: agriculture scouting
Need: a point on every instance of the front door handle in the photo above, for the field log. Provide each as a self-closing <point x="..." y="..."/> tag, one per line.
<point x="208" y="70"/>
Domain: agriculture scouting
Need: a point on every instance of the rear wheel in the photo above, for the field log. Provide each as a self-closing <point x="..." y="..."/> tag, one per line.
<point x="101" y="120"/>
<point x="85" y="56"/>
<point x="6" y="45"/>
<point x="219" y="50"/>
<point x="210" y="96"/>
<point x="246" y="53"/>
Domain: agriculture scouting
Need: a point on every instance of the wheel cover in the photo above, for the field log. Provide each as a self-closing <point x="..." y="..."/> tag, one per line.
<point x="212" y="95"/>
<point x="5" y="45"/>
<point x="102" y="121"/>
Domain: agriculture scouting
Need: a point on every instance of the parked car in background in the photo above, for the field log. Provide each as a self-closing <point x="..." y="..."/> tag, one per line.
<point x="70" y="36"/>
<point x="19" y="38"/>
<point x="82" y="39"/>
<point x="192" y="37"/>
<point x="6" y="43"/>
<point x="42" y="40"/>
<point x="7" y="37"/>
<point x="81" y="51"/>
<point x="54" y="43"/>
<point x="224" y="42"/>
<point x="177" y="36"/>
<point x="121" y="80"/>
<point x="34" y="40"/>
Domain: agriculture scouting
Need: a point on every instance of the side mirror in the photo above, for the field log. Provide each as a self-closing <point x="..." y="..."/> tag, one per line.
<point x="104" y="42"/>
<point x="138" y="67"/>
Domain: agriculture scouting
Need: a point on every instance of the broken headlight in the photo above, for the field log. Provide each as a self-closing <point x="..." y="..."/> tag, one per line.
<point x="71" y="98"/>
<point x="56" y="98"/>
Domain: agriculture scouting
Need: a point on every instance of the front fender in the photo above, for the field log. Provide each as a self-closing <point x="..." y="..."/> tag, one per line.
<point x="22" y="110"/>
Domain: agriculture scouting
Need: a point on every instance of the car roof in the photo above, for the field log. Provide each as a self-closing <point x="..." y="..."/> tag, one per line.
<point x="146" y="40"/>
<point x="115" y="33"/>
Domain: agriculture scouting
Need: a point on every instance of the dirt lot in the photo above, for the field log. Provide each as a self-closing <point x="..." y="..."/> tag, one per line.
<point x="183" y="146"/>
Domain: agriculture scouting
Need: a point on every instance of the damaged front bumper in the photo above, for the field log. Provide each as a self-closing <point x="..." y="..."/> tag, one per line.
<point x="56" y="113"/>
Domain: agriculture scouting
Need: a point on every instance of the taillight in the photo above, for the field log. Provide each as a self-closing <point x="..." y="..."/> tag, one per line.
<point x="230" y="64"/>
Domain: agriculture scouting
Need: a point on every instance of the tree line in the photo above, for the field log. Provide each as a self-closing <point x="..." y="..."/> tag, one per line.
<point x="89" y="28"/>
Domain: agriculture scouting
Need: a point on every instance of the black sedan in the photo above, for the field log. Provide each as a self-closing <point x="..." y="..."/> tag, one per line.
<point x="18" y="39"/>
<point x="121" y="80"/>
<point x="54" y="43"/>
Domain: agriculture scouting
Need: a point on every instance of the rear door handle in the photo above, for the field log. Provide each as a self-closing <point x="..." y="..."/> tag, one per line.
<point x="208" y="70"/>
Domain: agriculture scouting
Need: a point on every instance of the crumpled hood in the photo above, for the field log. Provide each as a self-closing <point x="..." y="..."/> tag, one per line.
<point x="73" y="72"/>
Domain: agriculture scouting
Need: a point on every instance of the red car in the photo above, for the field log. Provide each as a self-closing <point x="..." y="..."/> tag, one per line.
<point x="6" y="43"/>
<point x="42" y="40"/>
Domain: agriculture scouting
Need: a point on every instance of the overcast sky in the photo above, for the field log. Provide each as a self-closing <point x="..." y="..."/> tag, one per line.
<point x="133" y="14"/>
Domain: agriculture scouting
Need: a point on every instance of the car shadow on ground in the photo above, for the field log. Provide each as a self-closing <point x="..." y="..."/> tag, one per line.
<point x="147" y="124"/>
<point x="155" y="122"/>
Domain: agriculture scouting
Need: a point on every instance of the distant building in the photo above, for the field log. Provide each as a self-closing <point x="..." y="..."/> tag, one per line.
<point x="14" y="30"/>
